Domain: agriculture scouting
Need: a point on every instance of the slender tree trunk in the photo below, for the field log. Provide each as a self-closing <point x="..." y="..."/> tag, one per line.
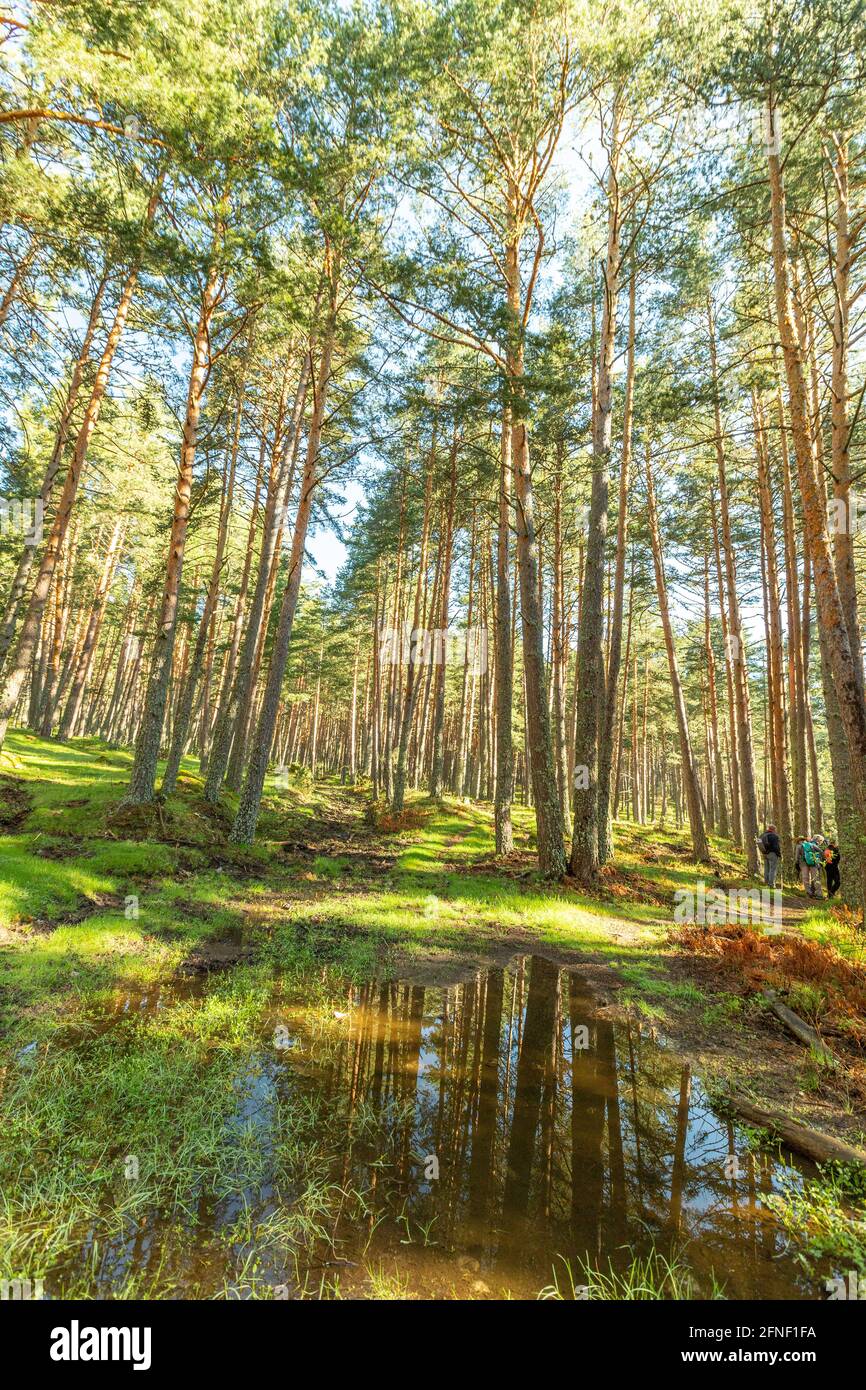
<point x="780" y="781"/>
<point x="188" y="694"/>
<point x="605" y="757"/>
<point x="244" y="827"/>
<point x="559" y="648"/>
<point x="700" y="846"/>
<point x="796" y="680"/>
<point x="832" y="621"/>
<point x="721" y="799"/>
<point x="86" y="654"/>
<point x="437" y="758"/>
<point x="624" y="692"/>
<point x="231" y="657"/>
<point x="143" y="778"/>
<point x="843" y="534"/>
<point x="278" y="492"/>
<point x="413" y="674"/>
<point x="744" y="744"/>
<point x="504" y="664"/>
<point x="592" y="716"/>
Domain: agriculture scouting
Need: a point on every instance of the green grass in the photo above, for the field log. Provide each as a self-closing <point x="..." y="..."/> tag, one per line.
<point x="653" y="1277"/>
<point x="144" y="904"/>
<point x="821" y="924"/>
<point x="428" y="901"/>
<point x="645" y="978"/>
<point x="826" y="1218"/>
<point x="35" y="887"/>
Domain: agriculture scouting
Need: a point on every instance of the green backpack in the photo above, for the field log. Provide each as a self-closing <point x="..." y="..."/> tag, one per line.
<point x="809" y="853"/>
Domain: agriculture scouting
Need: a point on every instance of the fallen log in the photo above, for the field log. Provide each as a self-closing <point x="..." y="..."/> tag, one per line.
<point x="800" y="1029"/>
<point x="821" y="1148"/>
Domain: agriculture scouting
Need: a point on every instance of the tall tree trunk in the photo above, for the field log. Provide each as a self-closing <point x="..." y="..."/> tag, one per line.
<point x="503" y="828"/>
<point x="186" y="700"/>
<point x="84" y="663"/>
<point x="780" y="781"/>
<point x="278" y="492"/>
<point x="413" y="681"/>
<point x="700" y="846"/>
<point x="605" y="756"/>
<point x="231" y="656"/>
<point x="592" y="716"/>
<point x="143" y="777"/>
<point x="781" y="798"/>
<point x="745" y="759"/>
<point x="844" y="667"/>
<point x="244" y="827"/>
<point x="721" y="799"/>
<point x="843" y="534"/>
<point x="559" y="647"/>
<point x="796" y="678"/>
<point x="440" y="637"/>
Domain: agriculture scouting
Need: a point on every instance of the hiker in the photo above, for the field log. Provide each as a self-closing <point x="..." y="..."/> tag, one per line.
<point x="832" y="855"/>
<point x="771" y="849"/>
<point x="808" y="859"/>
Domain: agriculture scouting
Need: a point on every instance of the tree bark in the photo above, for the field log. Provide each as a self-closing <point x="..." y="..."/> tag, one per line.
<point x="244" y="827"/>
<point x="591" y="692"/>
<point x="700" y="847"/>
<point x="605" y="759"/>
<point x="848" y="687"/>
<point x="143" y="777"/>
<point x="278" y="492"/>
<point x="503" y="828"/>
<point x="745" y="759"/>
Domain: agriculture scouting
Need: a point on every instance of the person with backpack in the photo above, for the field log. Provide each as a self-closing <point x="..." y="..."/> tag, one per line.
<point x="771" y="849"/>
<point x="799" y="861"/>
<point x="832" y="855"/>
<point x="808" y="857"/>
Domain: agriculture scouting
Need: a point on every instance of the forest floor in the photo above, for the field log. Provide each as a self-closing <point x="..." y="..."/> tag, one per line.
<point x="105" y="911"/>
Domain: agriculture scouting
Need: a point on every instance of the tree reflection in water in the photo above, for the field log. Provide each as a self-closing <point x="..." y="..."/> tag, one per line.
<point x="556" y="1133"/>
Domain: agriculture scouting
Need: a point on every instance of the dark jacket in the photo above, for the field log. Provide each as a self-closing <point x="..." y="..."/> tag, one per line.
<point x="770" y="844"/>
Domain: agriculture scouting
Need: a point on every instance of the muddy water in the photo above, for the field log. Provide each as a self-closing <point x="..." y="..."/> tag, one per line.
<point x="495" y="1129"/>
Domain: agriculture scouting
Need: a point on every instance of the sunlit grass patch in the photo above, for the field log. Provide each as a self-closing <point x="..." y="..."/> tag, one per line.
<point x="647" y="977"/>
<point x="36" y="887"/>
<point x="834" y="926"/>
<point x="45" y="974"/>
<point x="653" y="1277"/>
<point x="132" y="857"/>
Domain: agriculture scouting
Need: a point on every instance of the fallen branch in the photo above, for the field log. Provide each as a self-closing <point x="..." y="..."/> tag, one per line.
<point x="800" y="1029"/>
<point x="821" y="1148"/>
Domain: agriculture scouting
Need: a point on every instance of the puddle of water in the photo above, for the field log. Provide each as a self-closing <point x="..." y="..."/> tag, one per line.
<point x="125" y="1004"/>
<point x="496" y="1128"/>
